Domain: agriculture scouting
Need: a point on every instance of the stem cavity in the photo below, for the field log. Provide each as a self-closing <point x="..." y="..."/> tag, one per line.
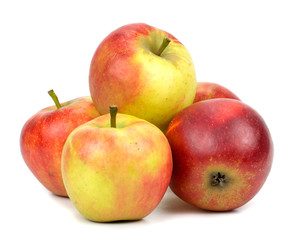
<point x="113" y="113"/>
<point x="163" y="46"/>
<point x="55" y="98"/>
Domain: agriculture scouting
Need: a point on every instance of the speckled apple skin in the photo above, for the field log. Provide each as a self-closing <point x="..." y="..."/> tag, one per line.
<point x="44" y="134"/>
<point x="219" y="135"/>
<point x="114" y="174"/>
<point x="125" y="71"/>
<point x="209" y="90"/>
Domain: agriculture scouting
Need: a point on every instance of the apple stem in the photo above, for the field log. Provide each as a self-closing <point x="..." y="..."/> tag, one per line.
<point x="55" y="98"/>
<point x="113" y="113"/>
<point x="163" y="46"/>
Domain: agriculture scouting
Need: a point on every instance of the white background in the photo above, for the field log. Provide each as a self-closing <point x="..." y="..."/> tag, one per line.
<point x="243" y="45"/>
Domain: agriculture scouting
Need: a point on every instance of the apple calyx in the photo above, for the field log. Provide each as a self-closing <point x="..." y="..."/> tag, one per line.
<point x="218" y="179"/>
<point x="113" y="113"/>
<point x="163" y="46"/>
<point x="55" y="98"/>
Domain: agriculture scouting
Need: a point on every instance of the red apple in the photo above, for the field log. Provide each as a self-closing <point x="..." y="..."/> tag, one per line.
<point x="208" y="90"/>
<point x="116" y="169"/>
<point x="145" y="71"/>
<point x="222" y="153"/>
<point x="44" y="134"/>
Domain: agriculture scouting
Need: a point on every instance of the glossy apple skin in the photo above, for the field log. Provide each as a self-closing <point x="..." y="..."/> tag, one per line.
<point x="114" y="174"/>
<point x="209" y="90"/>
<point x="44" y="134"/>
<point x="219" y="136"/>
<point x="125" y="71"/>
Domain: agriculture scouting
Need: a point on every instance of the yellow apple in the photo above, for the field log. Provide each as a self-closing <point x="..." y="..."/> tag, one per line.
<point x="145" y="71"/>
<point x="116" y="173"/>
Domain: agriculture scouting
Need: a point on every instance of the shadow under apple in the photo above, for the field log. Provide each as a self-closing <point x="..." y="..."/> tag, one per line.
<point x="171" y="204"/>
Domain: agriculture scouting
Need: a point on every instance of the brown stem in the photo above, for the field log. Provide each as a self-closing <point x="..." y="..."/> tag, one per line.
<point x="113" y="113"/>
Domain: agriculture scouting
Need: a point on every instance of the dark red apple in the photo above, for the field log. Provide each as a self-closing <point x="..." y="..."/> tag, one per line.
<point x="208" y="90"/>
<point x="222" y="153"/>
<point x="44" y="134"/>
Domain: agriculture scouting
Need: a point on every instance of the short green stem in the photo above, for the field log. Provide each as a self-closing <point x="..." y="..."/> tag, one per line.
<point x="163" y="46"/>
<point x="113" y="113"/>
<point x="55" y="98"/>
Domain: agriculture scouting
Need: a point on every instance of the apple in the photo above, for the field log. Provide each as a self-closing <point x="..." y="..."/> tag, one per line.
<point x="44" y="134"/>
<point x="116" y="171"/>
<point x="209" y="90"/>
<point x="145" y="71"/>
<point x="222" y="154"/>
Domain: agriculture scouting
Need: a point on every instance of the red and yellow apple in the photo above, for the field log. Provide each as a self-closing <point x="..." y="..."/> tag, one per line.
<point x="117" y="171"/>
<point x="208" y="90"/>
<point x="145" y="71"/>
<point x="44" y="134"/>
<point x="222" y="154"/>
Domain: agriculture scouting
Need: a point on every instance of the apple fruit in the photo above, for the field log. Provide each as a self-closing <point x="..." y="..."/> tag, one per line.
<point x="209" y="90"/>
<point x="116" y="171"/>
<point x="143" y="70"/>
<point x="222" y="154"/>
<point x="44" y="134"/>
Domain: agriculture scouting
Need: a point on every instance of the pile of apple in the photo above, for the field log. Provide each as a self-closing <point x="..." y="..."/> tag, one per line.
<point x="214" y="151"/>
